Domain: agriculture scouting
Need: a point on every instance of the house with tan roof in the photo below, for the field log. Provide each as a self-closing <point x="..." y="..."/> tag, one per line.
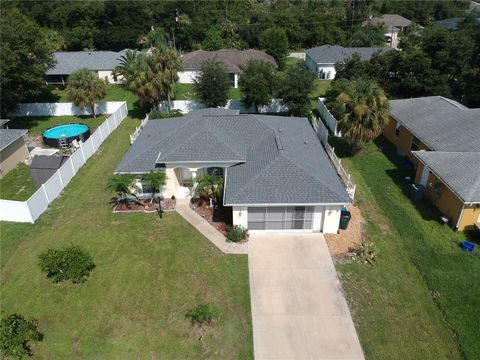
<point x="394" y="25"/>
<point x="232" y="59"/>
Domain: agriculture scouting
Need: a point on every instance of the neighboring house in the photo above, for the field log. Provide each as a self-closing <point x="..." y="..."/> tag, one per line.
<point x="394" y="24"/>
<point x="67" y="62"/>
<point x="232" y="59"/>
<point x="277" y="176"/>
<point x="3" y="123"/>
<point x="321" y="60"/>
<point x="449" y="132"/>
<point x="12" y="149"/>
<point x="43" y="167"/>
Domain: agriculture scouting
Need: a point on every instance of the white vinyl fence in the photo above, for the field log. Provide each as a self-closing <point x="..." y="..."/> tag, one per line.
<point x="139" y="128"/>
<point x="185" y="106"/>
<point x="327" y="117"/>
<point x="64" y="109"/>
<point x="30" y="210"/>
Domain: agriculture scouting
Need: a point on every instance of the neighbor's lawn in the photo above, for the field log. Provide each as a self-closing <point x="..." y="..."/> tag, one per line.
<point x="393" y="302"/>
<point x="185" y="92"/>
<point x="36" y="125"/>
<point x="17" y="184"/>
<point x="149" y="273"/>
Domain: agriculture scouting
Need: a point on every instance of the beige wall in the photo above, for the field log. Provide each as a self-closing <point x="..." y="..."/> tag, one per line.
<point x="13" y="154"/>
<point x="107" y="75"/>
<point x="470" y="217"/>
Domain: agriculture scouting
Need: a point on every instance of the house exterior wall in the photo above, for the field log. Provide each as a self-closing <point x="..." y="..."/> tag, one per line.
<point x="328" y="70"/>
<point x="187" y="76"/>
<point x="12" y="155"/>
<point x="326" y="219"/>
<point x="447" y="202"/>
<point x="403" y="141"/>
<point x="108" y="76"/>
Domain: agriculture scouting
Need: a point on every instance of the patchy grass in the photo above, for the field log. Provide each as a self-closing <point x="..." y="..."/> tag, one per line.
<point x="420" y="299"/>
<point x="36" y="125"/>
<point x="185" y="92"/>
<point x="17" y="184"/>
<point x="149" y="273"/>
<point x="321" y="87"/>
<point x="293" y="61"/>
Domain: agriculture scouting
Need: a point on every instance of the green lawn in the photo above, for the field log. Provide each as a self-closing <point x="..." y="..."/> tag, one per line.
<point x="185" y="92"/>
<point x="149" y="273"/>
<point x="393" y="301"/>
<point x="36" y="125"/>
<point x="17" y="184"/>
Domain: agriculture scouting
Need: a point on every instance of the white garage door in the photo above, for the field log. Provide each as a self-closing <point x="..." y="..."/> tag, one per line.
<point x="280" y="218"/>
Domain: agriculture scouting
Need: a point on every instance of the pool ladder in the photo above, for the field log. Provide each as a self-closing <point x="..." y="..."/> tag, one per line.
<point x="63" y="142"/>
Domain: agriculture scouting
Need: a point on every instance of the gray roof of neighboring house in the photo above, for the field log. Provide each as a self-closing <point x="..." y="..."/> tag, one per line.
<point x="67" y="62"/>
<point x="43" y="167"/>
<point x="452" y="23"/>
<point x="330" y="54"/>
<point x="3" y="122"/>
<point x="389" y="21"/>
<point x="442" y="124"/>
<point x="275" y="160"/>
<point x="460" y="171"/>
<point x="8" y="136"/>
<point x="232" y="59"/>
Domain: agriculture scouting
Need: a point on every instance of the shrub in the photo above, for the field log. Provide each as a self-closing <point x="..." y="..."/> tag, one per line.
<point x="70" y="263"/>
<point x="203" y="314"/>
<point x="15" y="333"/>
<point x="237" y="233"/>
<point x="155" y="114"/>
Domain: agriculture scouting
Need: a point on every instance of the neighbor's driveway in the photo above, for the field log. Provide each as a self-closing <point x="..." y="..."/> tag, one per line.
<point x="298" y="309"/>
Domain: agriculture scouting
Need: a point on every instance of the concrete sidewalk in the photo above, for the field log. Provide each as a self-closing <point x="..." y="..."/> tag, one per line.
<point x="298" y="308"/>
<point x="212" y="234"/>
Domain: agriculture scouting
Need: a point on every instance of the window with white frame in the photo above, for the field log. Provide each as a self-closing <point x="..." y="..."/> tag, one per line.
<point x="415" y="143"/>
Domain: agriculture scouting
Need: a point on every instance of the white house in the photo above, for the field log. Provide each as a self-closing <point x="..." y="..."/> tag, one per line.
<point x="232" y="59"/>
<point x="321" y="60"/>
<point x="67" y="62"/>
<point x="394" y="24"/>
<point x="277" y="175"/>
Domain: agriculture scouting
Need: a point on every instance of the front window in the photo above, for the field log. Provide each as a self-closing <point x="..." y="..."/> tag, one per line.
<point x="217" y="171"/>
<point x="415" y="144"/>
<point x="231" y="77"/>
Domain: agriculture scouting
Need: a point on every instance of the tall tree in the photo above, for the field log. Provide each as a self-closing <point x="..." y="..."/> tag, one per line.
<point x="257" y="83"/>
<point x="24" y="59"/>
<point x="361" y="108"/>
<point x="295" y="87"/>
<point x="275" y="42"/>
<point x="165" y="63"/>
<point x="211" y="87"/>
<point x="85" y="89"/>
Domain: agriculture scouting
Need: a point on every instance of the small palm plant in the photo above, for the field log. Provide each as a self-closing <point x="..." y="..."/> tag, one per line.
<point x="154" y="180"/>
<point x="85" y="89"/>
<point x="124" y="185"/>
<point x="209" y="186"/>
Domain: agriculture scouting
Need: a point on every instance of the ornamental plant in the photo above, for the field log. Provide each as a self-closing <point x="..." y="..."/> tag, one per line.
<point x="70" y="263"/>
<point x="15" y="334"/>
<point x="203" y="314"/>
<point x="237" y="233"/>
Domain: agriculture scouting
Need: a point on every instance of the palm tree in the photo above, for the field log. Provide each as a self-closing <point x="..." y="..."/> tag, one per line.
<point x="85" y="89"/>
<point x="361" y="110"/>
<point x="156" y="38"/>
<point x="166" y="64"/>
<point x="209" y="186"/>
<point x="155" y="180"/>
<point x="122" y="184"/>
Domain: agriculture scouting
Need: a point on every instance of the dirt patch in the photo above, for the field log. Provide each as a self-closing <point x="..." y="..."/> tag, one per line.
<point x="341" y="244"/>
<point x="146" y="206"/>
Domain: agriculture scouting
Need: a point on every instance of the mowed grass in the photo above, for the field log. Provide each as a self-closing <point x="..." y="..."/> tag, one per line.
<point x="186" y="92"/>
<point x="17" y="184"/>
<point x="36" y="125"/>
<point x="149" y="273"/>
<point x="420" y="299"/>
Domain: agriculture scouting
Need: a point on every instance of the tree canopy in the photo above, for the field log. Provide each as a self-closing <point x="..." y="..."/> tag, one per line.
<point x="295" y="86"/>
<point x="258" y="83"/>
<point x="24" y="59"/>
<point x="275" y="42"/>
<point x="85" y="89"/>
<point x="211" y="87"/>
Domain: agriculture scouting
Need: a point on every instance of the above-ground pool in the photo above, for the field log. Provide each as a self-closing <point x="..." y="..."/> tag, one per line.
<point x="55" y="135"/>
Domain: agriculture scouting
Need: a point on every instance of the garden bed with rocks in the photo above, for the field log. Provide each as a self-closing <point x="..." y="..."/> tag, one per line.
<point x="219" y="218"/>
<point x="146" y="206"/>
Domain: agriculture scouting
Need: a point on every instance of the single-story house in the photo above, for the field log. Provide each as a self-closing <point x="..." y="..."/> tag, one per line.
<point x="321" y="60"/>
<point x="277" y="176"/>
<point x="394" y="25"/>
<point x="232" y="59"/>
<point x="67" y="62"/>
<point x="43" y="167"/>
<point x="12" y="149"/>
<point x="434" y="132"/>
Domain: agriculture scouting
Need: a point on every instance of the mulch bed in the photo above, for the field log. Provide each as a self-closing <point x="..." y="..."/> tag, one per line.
<point x="219" y="218"/>
<point x="167" y="205"/>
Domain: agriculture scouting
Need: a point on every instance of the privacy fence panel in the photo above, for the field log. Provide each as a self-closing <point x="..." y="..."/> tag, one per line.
<point x="37" y="203"/>
<point x="77" y="159"/>
<point x="88" y="149"/>
<point x="66" y="172"/>
<point x="53" y="186"/>
<point x="96" y="139"/>
<point x="17" y="211"/>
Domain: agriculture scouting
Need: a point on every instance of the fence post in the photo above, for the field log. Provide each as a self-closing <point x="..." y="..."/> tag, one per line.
<point x="83" y="154"/>
<point x="71" y="163"/>
<point x="108" y="125"/>
<point x="45" y="192"/>
<point x="60" y="177"/>
<point x="93" y="146"/>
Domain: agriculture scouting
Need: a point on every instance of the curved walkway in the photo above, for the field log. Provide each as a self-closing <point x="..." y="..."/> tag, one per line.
<point x="298" y="308"/>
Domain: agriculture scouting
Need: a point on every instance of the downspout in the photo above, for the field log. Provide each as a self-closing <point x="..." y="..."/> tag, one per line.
<point x="460" y="217"/>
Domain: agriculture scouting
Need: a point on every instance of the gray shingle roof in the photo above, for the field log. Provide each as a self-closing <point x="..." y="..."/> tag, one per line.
<point x="460" y="171"/>
<point x="3" y="122"/>
<point x="8" y="136"/>
<point x="330" y="54"/>
<point x="276" y="160"/>
<point x="232" y="59"/>
<point x="440" y="123"/>
<point x="67" y="62"/>
<point x="389" y="21"/>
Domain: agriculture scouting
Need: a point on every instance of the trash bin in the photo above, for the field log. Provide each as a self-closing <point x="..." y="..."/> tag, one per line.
<point x="345" y="217"/>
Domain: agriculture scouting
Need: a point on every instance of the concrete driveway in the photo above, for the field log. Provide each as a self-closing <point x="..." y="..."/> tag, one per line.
<point x="298" y="308"/>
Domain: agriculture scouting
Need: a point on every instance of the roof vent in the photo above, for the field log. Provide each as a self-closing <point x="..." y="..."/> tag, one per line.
<point x="279" y="130"/>
<point x="305" y="142"/>
<point x="278" y="141"/>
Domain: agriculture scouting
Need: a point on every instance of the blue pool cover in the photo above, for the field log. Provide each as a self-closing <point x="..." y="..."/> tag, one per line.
<point x="67" y="130"/>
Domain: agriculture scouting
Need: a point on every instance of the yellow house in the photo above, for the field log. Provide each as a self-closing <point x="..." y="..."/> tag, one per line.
<point x="12" y="149"/>
<point x="450" y="167"/>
